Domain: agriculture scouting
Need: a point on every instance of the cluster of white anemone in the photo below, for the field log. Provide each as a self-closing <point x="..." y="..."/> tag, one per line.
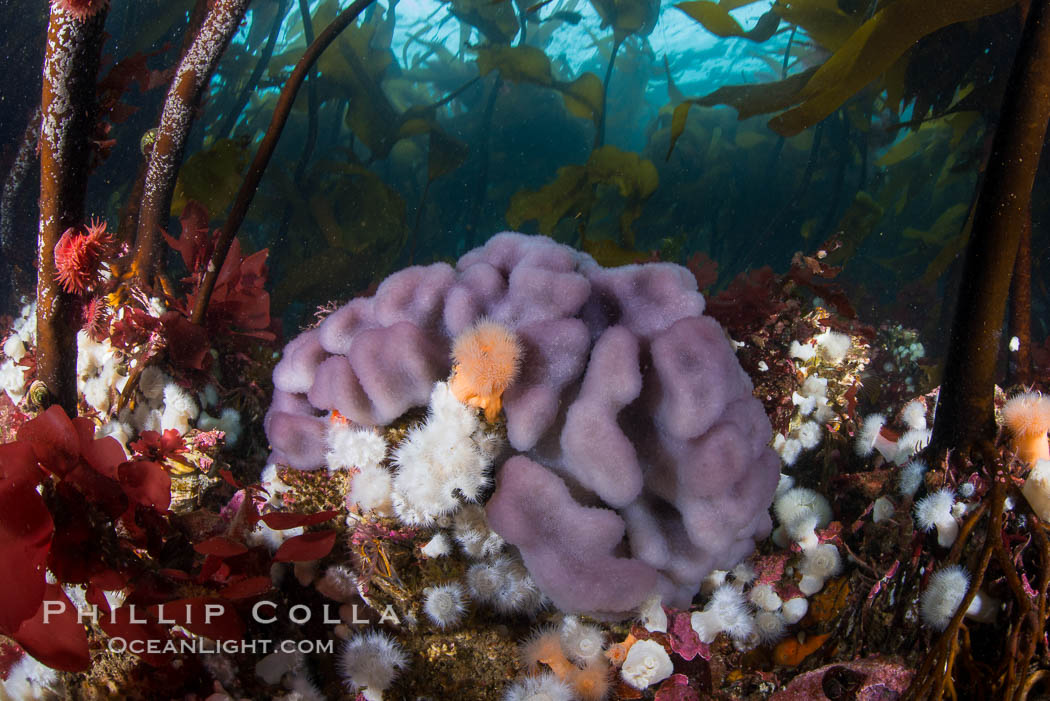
<point x="444" y="460"/>
<point x="100" y="375"/>
<point x="938" y="510"/>
<point x="759" y="614"/>
<point x="433" y="478"/>
<point x="499" y="580"/>
<point x="800" y="512"/>
<point x="749" y="612"/>
<point x="814" y="411"/>
<point x="831" y="348"/>
<point x="471" y="531"/>
<point x="504" y="584"/>
<point x="442" y="463"/>
<point x="362" y="450"/>
<point x="916" y="436"/>
<point x="22" y="337"/>
<point x="470" y="528"/>
<point x="579" y="670"/>
<point x="161" y="404"/>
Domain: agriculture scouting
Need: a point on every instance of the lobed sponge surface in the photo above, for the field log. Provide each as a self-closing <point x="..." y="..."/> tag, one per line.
<point x="638" y="461"/>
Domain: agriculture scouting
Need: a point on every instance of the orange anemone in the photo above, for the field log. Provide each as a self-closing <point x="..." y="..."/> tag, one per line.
<point x="487" y="358"/>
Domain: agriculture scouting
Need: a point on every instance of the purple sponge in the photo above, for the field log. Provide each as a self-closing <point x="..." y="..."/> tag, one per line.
<point x="555" y="354"/>
<point x="594" y="450"/>
<point x="638" y="459"/>
<point x="569" y="549"/>
<point x="695" y="376"/>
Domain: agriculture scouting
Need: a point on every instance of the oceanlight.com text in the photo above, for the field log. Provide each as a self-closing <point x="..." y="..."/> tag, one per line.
<point x="204" y="646"/>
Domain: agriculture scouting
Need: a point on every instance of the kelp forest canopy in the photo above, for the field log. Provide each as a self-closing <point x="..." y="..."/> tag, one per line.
<point x="746" y="130"/>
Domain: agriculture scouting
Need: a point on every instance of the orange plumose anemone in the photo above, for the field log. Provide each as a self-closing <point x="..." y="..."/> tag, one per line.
<point x="544" y="647"/>
<point x="1027" y="415"/>
<point x="486" y="359"/>
<point x="617" y="653"/>
<point x="593" y="682"/>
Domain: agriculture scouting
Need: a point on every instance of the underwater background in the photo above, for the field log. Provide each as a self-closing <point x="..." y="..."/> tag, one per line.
<point x="197" y="225"/>
<point x="420" y="99"/>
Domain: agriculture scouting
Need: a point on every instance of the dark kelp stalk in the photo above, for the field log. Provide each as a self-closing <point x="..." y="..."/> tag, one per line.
<point x="965" y="413"/>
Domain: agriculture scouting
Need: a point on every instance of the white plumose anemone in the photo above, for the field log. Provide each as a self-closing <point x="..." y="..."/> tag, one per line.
<point x="945" y="593"/>
<point x="354" y="446"/>
<point x="14" y="347"/>
<point x="833" y="346"/>
<point x="445" y="604"/>
<point x="372" y="489"/>
<point x="801" y="512"/>
<point x="543" y="687"/>
<point x="485" y="580"/>
<point x="800" y="501"/>
<point x="726" y="611"/>
<point x="471" y="530"/>
<point x="869" y="438"/>
<point x="448" y="455"/>
<point x="819" y="563"/>
<point x="179" y="408"/>
<point x="582" y="642"/>
<point x="910" y="443"/>
<point x="653" y="616"/>
<point x="770" y="626"/>
<point x="369" y="663"/>
<point x="911" y="477"/>
<point x="914" y="415"/>
<point x="809" y="434"/>
<point x="935" y="511"/>
<point x="438" y="546"/>
<point x="942" y="597"/>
